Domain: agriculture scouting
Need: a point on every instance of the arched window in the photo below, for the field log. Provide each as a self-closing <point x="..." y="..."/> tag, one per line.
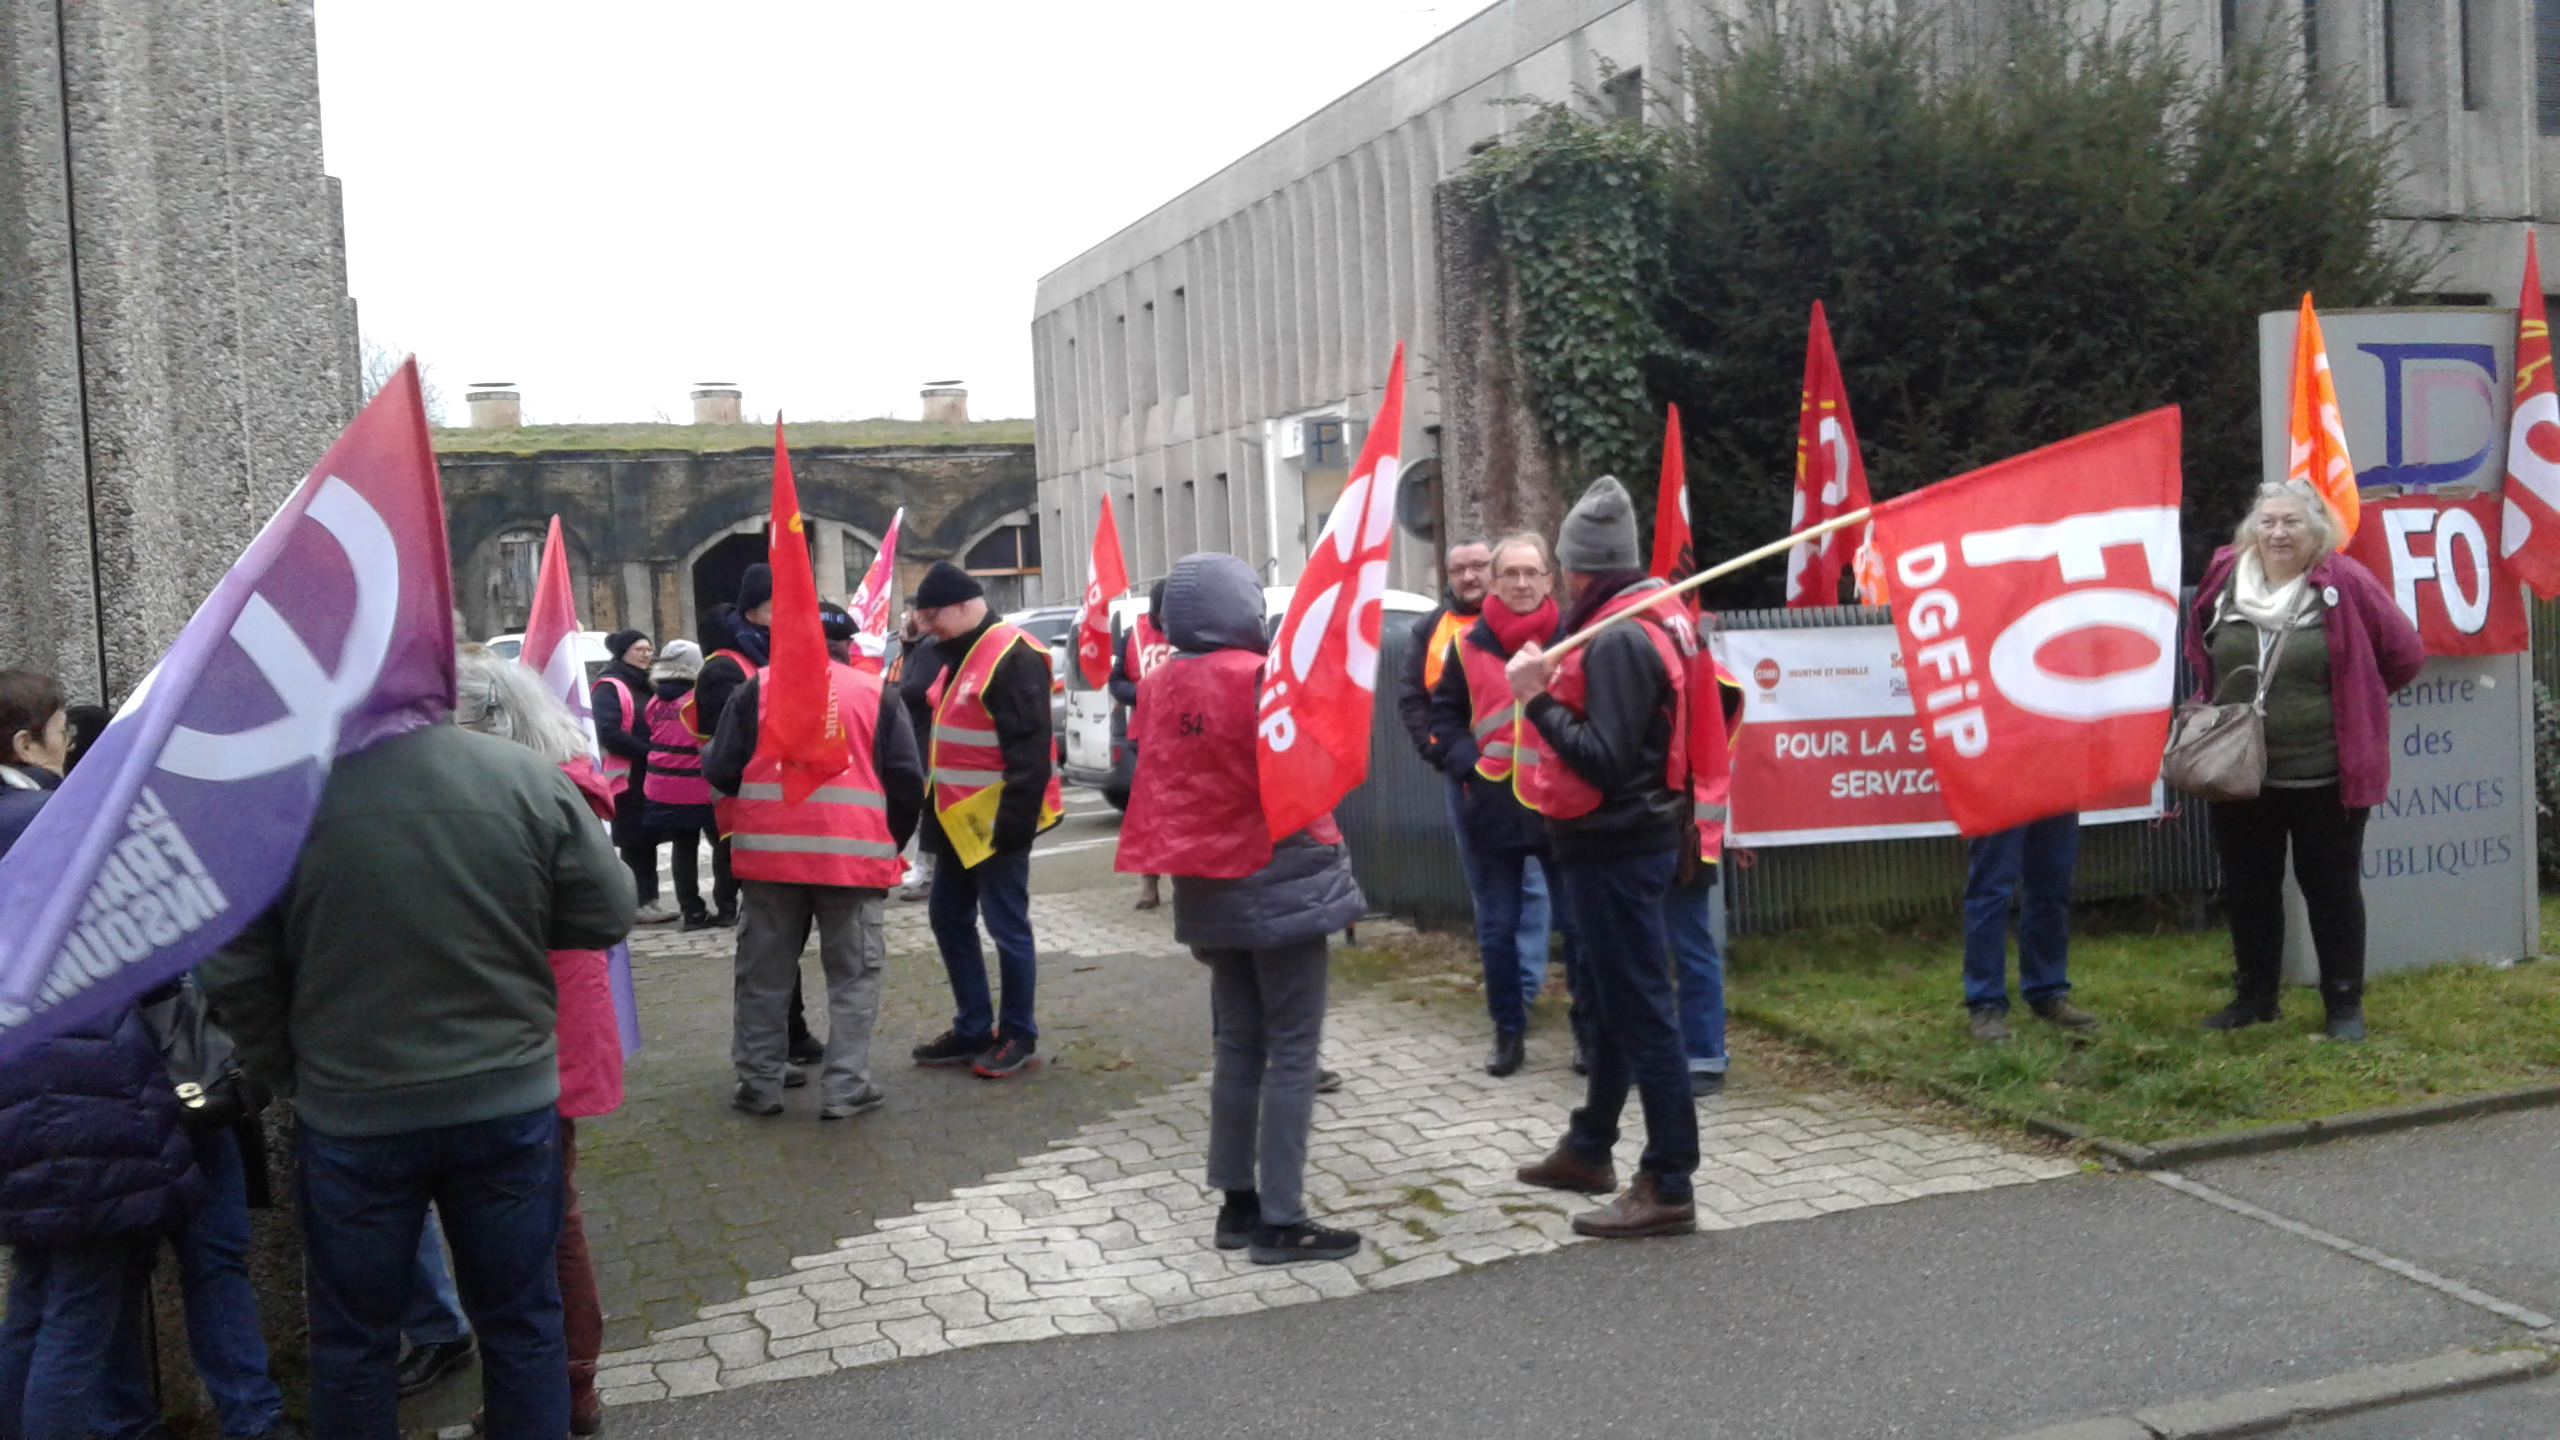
<point x="511" y="578"/>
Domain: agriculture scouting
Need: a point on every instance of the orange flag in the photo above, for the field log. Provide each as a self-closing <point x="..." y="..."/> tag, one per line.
<point x="2316" y="449"/>
<point x="800" y="726"/>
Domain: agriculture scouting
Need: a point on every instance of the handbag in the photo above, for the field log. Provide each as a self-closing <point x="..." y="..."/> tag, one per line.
<point x="214" y="1093"/>
<point x="2219" y="752"/>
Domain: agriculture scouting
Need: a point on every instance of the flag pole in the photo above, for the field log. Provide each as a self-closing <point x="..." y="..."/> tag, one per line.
<point x="1584" y="635"/>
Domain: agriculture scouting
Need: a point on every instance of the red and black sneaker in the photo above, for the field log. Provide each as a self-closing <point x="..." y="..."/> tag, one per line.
<point x="1011" y="1056"/>
<point x="951" y="1048"/>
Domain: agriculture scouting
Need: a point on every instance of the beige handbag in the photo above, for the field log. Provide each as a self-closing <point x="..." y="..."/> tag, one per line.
<point x="2219" y="752"/>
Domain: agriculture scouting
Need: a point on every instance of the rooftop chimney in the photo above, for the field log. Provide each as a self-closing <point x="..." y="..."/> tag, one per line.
<point x="715" y="402"/>
<point x="495" y="405"/>
<point x="945" y="403"/>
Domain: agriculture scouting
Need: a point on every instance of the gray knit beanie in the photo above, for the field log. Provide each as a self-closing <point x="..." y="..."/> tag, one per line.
<point x="1599" y="533"/>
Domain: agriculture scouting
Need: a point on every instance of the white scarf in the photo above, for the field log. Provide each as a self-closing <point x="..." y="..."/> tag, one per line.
<point x="2269" y="607"/>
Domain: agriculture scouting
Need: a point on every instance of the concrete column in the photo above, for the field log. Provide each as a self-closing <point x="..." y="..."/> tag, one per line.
<point x="639" y="604"/>
<point x="827" y="558"/>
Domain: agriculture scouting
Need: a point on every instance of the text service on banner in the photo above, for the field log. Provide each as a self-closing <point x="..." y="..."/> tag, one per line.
<point x="2037" y="601"/>
<point x="333" y="631"/>
<point x="1831" y="748"/>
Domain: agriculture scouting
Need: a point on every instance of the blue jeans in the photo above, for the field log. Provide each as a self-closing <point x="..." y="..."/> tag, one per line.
<point x="997" y="890"/>
<point x="434" y="1316"/>
<point x="66" y="1303"/>
<point x="2033" y="863"/>
<point x="1515" y="964"/>
<point x="222" y="1313"/>
<point x="496" y="1187"/>
<point x="1688" y="914"/>
<point x="1535" y="920"/>
<point x="1617" y="910"/>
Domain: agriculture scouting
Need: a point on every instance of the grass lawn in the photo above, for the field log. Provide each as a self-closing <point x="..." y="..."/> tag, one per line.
<point x="1888" y="1004"/>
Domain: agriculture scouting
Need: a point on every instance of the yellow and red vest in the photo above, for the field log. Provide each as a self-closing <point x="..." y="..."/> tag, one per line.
<point x="1497" y="716"/>
<point x="967" y="763"/>
<point x="1443" y="635"/>
<point x="1549" y="786"/>
<point x="693" y="700"/>
<point x="839" y="835"/>
<point x="1711" y="749"/>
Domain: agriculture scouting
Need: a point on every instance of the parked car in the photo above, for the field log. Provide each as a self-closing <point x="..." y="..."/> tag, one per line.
<point x="1053" y="626"/>
<point x="1097" y="727"/>
<point x="591" y="651"/>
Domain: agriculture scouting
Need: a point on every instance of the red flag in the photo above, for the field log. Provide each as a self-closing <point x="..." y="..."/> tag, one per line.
<point x="1321" y="682"/>
<point x="870" y="605"/>
<point x="2529" y="532"/>
<point x="2315" y="435"/>
<point x="1106" y="578"/>
<point x="1674" y="554"/>
<point x="799" y="726"/>
<point x="550" y="646"/>
<point x="1831" y="476"/>
<point x="2433" y="554"/>
<point x="2037" y="605"/>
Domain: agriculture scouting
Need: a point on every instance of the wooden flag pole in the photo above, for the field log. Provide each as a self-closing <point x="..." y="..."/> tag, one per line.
<point x="1584" y="635"/>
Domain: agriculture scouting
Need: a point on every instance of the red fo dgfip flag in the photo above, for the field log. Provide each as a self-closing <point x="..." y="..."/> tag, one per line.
<point x="1106" y="578"/>
<point x="870" y="607"/>
<point x="800" y="726"/>
<point x="2530" y="527"/>
<point x="1321" y="682"/>
<point x="2315" y="435"/>
<point x="551" y="638"/>
<point x="2037" y="605"/>
<point x="1675" y="555"/>
<point x="1831" y="476"/>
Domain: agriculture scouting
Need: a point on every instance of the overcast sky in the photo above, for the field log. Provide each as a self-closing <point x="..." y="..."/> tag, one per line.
<point x="829" y="203"/>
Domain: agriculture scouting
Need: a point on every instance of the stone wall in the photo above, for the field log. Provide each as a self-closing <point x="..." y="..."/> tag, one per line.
<point x="636" y="522"/>
<point x="177" y="346"/>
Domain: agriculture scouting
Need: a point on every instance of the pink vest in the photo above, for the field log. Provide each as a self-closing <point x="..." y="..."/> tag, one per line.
<point x="675" y="758"/>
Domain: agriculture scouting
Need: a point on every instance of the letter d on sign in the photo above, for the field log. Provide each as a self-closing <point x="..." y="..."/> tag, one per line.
<point x="1922" y="565"/>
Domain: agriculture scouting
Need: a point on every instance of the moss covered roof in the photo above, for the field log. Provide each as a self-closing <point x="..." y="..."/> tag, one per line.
<point x="869" y="434"/>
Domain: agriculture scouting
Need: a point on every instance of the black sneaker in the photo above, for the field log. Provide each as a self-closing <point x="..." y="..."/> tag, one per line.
<point x="698" y="920"/>
<point x="1284" y="1244"/>
<point x="1237" y="1220"/>
<point x="1703" y="1083"/>
<point x="425" y="1366"/>
<point x="2239" y="1014"/>
<point x="793" y="1077"/>
<point x="745" y="1099"/>
<point x="1010" y="1055"/>
<point x="1328" y="1081"/>
<point x="951" y="1048"/>
<point x="726" y="918"/>
<point x="860" y="1102"/>
<point x="807" y="1050"/>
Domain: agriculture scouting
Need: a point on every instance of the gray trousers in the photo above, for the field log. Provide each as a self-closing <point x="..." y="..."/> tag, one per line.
<point x="853" y="947"/>
<point x="1267" y="1007"/>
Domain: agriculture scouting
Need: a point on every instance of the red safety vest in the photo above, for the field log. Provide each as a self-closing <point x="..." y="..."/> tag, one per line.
<point x="1195" y="807"/>
<point x="967" y="763"/>
<point x="617" y="769"/>
<point x="1548" y="785"/>
<point x="675" y="757"/>
<point x="693" y="702"/>
<point x="839" y="835"/>
<point x="1497" y="715"/>
<point x="1711" y="750"/>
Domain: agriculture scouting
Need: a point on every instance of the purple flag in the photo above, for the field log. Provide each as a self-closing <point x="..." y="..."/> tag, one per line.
<point x="333" y="631"/>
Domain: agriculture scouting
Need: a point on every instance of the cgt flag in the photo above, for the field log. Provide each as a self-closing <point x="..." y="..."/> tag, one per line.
<point x="800" y="727"/>
<point x="2037" y="605"/>
<point x="332" y="632"/>
<point x="1321" y="682"/>
<point x="1106" y="578"/>
<point x="870" y="607"/>
<point x="1831" y="476"/>
<point x="1675" y="556"/>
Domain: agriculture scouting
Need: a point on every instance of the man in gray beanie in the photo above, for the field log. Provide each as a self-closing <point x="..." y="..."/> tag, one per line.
<point x="1601" y="767"/>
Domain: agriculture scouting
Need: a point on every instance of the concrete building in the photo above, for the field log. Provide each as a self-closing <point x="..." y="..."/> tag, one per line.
<point x="176" y="343"/>
<point x="1211" y="364"/>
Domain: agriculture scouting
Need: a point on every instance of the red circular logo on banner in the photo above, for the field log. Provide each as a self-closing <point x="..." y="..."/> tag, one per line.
<point x="1766" y="672"/>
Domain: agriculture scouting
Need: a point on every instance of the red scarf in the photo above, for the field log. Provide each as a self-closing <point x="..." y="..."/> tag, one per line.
<point x="1513" y="629"/>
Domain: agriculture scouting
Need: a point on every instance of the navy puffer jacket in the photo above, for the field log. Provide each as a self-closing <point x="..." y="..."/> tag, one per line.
<point x="90" y="1145"/>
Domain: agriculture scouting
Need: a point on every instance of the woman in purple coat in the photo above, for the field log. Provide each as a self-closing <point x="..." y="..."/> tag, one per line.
<point x="2280" y="602"/>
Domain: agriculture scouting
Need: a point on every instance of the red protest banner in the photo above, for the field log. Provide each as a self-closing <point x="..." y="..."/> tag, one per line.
<point x="2436" y="557"/>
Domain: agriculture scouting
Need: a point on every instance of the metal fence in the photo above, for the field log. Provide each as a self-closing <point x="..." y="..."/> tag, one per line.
<point x="1403" y="846"/>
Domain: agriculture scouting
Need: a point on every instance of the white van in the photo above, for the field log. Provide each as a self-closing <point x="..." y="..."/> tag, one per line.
<point x="1098" y="726"/>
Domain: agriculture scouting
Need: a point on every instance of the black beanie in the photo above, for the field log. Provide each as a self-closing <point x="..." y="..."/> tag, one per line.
<point x="835" y="620"/>
<point x="755" y="587"/>
<point x="947" y="584"/>
<point x="620" y="641"/>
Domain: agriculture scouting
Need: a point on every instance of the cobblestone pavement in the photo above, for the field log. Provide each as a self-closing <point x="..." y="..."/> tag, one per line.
<point x="1106" y="1228"/>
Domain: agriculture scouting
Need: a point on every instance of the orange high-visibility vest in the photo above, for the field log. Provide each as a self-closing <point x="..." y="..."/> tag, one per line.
<point x="967" y="762"/>
<point x="839" y="835"/>
<point x="1548" y="785"/>
<point x="693" y="701"/>
<point x="1497" y="716"/>
<point x="1434" y="660"/>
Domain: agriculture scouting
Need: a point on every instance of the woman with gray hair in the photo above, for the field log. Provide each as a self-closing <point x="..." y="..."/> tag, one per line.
<point x="2281" y="610"/>
<point x="498" y="696"/>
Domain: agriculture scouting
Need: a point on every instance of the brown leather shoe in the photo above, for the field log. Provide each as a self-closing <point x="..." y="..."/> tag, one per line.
<point x="1639" y="1212"/>
<point x="1564" y="1170"/>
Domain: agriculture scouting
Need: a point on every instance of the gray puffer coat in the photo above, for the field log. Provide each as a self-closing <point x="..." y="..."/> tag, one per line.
<point x="1214" y="602"/>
